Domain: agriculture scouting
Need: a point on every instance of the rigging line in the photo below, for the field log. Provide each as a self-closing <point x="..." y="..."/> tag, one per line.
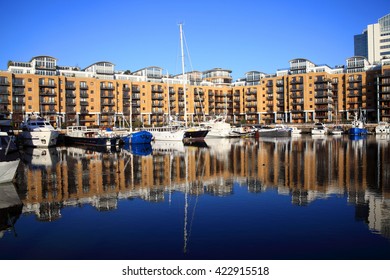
<point x="192" y="70"/>
<point x="188" y="52"/>
<point x="197" y="196"/>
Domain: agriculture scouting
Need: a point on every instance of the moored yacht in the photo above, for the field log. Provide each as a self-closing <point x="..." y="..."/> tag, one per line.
<point x="278" y="130"/>
<point x="38" y="132"/>
<point x="358" y="127"/>
<point x="81" y="135"/>
<point x="166" y="133"/>
<point x="382" y="128"/>
<point x="219" y="128"/>
<point x="337" y="130"/>
<point x="319" y="129"/>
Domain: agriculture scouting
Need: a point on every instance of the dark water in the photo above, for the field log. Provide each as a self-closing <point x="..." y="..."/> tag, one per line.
<point x="299" y="198"/>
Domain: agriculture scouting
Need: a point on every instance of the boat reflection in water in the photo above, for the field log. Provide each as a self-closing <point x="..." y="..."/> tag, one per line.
<point x="10" y="208"/>
<point x="307" y="197"/>
<point x="143" y="149"/>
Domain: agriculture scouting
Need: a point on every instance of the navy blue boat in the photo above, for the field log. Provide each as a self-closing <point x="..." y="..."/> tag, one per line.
<point x="81" y="135"/>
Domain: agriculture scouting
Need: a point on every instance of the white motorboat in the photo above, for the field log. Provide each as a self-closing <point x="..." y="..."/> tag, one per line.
<point x="219" y="128"/>
<point x="38" y="132"/>
<point x="295" y="131"/>
<point x="382" y="128"/>
<point x="337" y="130"/>
<point x="319" y="129"/>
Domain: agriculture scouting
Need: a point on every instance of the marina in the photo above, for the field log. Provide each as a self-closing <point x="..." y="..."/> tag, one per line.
<point x="300" y="197"/>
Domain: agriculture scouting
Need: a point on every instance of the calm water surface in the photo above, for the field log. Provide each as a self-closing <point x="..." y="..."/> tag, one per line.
<point x="298" y="198"/>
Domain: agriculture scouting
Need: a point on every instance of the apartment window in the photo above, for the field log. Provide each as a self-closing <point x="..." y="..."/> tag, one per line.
<point x="30" y="98"/>
<point x="29" y="80"/>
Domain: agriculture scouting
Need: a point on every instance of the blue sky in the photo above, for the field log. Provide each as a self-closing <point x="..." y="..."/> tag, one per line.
<point x="236" y="35"/>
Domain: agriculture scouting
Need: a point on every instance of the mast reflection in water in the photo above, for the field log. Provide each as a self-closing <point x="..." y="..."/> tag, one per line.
<point x="295" y="198"/>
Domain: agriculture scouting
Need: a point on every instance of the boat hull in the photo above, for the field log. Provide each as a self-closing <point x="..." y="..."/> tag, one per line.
<point x="273" y="133"/>
<point x="93" y="141"/>
<point x="167" y="134"/>
<point x="357" y="131"/>
<point x="139" y="137"/>
<point x="8" y="170"/>
<point x="318" y="132"/>
<point x="39" y="138"/>
<point x="193" y="135"/>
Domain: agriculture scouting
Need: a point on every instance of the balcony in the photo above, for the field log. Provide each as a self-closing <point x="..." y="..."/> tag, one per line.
<point x="300" y="88"/>
<point x="296" y="81"/>
<point x="5" y="102"/>
<point x="108" y="103"/>
<point x="70" y="95"/>
<point x="107" y="95"/>
<point x="135" y="89"/>
<point x="158" y="104"/>
<point x="47" y="92"/>
<point x="18" y="83"/>
<point x="48" y="102"/>
<point x="84" y="95"/>
<point x="157" y="96"/>
<point x="296" y="95"/>
<point x="70" y="102"/>
<point x="157" y="89"/>
<point x="19" y="101"/>
<point x="47" y="85"/>
<point x="70" y="86"/>
<point x="107" y="87"/>
<point x="324" y="108"/>
<point x="4" y="82"/>
<point x="108" y="112"/>
<point x="297" y="102"/>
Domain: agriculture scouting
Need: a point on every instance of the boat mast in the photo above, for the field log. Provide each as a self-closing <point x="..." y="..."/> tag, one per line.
<point x="131" y="112"/>
<point x="184" y="77"/>
<point x="169" y="101"/>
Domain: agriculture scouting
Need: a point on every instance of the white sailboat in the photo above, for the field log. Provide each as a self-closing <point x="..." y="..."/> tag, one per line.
<point x="176" y="131"/>
<point x="171" y="132"/>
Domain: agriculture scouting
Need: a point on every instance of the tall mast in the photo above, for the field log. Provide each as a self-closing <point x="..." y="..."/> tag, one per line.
<point x="131" y="112"/>
<point x="184" y="77"/>
<point x="169" y="101"/>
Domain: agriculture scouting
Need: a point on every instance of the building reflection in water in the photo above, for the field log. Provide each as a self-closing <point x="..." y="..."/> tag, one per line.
<point x="305" y="168"/>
